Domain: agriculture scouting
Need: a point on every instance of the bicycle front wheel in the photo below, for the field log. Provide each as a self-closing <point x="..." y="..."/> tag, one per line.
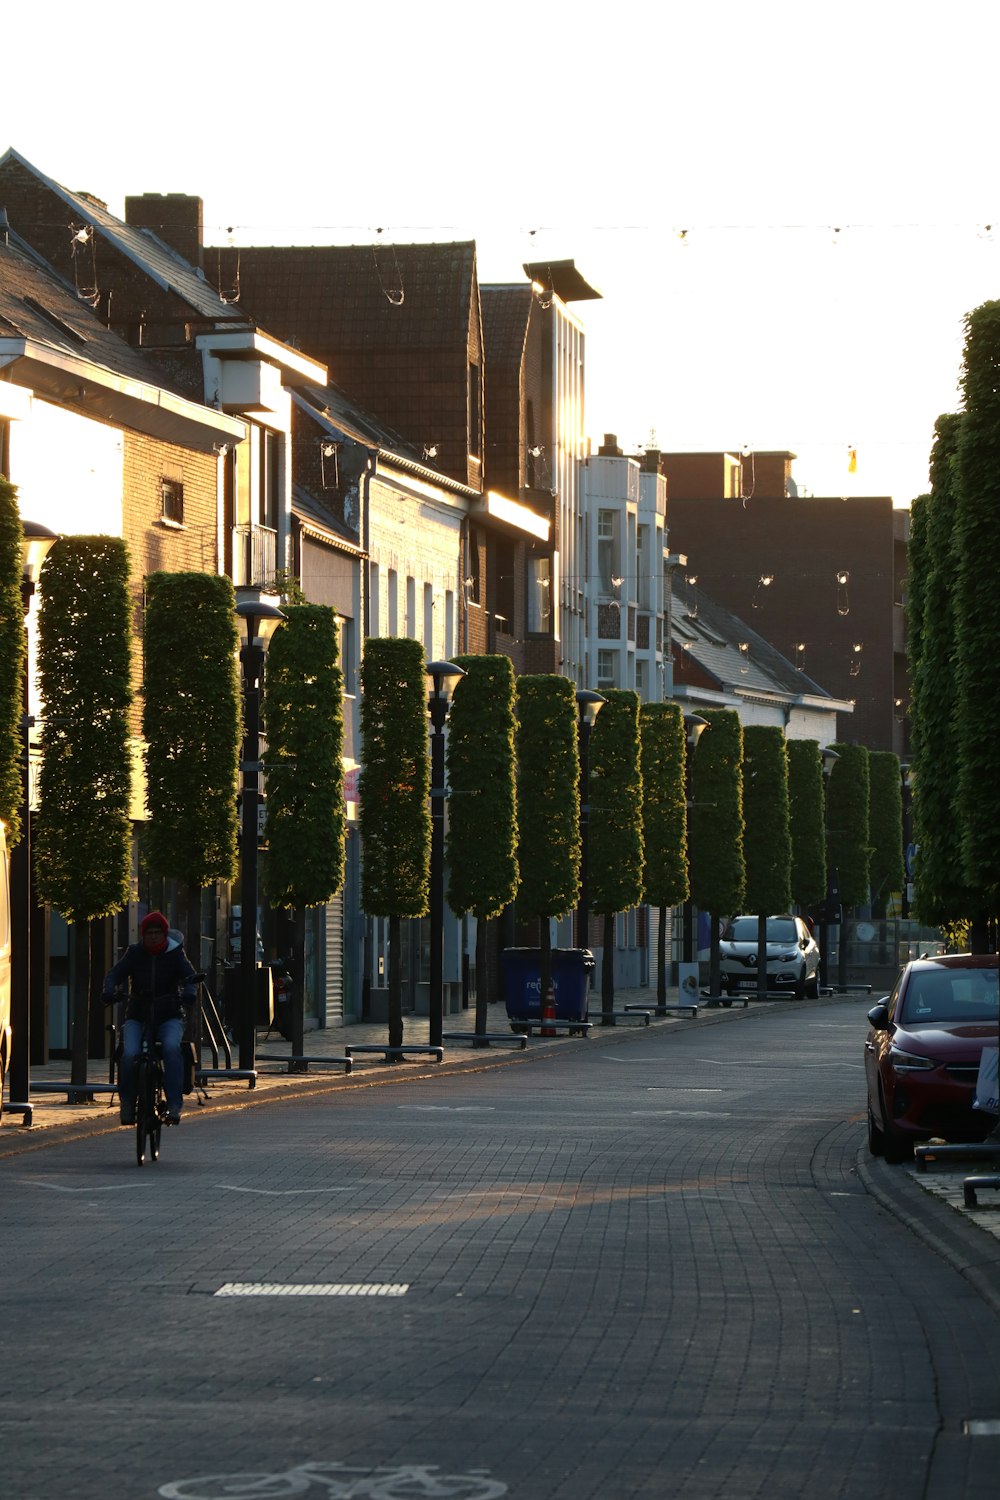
<point x="145" y="1104"/>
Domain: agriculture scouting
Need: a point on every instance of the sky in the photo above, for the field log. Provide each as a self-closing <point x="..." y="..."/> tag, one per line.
<point x="787" y="208"/>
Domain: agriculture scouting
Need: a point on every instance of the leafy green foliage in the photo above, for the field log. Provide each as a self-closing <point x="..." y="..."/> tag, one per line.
<point x="304" y="714"/>
<point x="885" y="824"/>
<point x="481" y="848"/>
<point x="806" y="822"/>
<point x="664" y="803"/>
<point x="84" y="641"/>
<point x="977" y="538"/>
<point x="767" y="844"/>
<point x="548" y="796"/>
<point x="718" y="869"/>
<point x="191" y="724"/>
<point x="847" y="799"/>
<point x="395" y="782"/>
<point x="615" y="851"/>
<point x="11" y="661"/>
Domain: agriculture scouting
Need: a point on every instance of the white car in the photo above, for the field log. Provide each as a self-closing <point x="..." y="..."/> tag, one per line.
<point x="792" y="956"/>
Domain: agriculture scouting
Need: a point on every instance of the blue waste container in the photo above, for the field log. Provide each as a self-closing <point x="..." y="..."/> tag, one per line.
<point x="522" y="982"/>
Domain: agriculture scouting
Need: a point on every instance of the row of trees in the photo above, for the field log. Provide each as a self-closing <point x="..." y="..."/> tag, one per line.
<point x="955" y="666"/>
<point x="755" y="839"/>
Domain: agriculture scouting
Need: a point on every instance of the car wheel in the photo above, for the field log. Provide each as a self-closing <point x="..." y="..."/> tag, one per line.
<point x="812" y="987"/>
<point x="800" y="985"/>
<point x="876" y="1140"/>
<point x="895" y="1148"/>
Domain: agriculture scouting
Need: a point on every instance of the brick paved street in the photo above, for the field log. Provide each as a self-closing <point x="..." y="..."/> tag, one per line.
<point x="639" y="1264"/>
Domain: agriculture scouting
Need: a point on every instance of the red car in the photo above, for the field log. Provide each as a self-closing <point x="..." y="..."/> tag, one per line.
<point x="922" y="1053"/>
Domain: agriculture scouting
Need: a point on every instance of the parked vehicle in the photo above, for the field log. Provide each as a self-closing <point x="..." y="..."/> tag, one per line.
<point x="792" y="956"/>
<point x="922" y="1053"/>
<point x="5" y="1033"/>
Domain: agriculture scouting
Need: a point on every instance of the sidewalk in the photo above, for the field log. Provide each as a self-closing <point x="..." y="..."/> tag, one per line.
<point x="52" y="1111"/>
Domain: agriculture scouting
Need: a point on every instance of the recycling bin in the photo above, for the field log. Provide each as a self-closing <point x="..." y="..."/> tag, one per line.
<point x="522" y="982"/>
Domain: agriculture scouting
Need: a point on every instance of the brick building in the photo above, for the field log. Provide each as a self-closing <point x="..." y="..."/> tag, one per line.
<point x="820" y="577"/>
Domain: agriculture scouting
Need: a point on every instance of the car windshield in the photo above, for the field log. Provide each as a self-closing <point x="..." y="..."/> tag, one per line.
<point x="950" y="995"/>
<point x="744" y="930"/>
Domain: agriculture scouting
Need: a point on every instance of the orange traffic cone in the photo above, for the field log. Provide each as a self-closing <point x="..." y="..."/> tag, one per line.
<point x="548" y="1011"/>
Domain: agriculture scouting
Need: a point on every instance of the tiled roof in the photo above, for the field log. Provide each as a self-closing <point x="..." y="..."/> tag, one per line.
<point x="506" y="310"/>
<point x="36" y="304"/>
<point x="142" y="247"/>
<point x="341" y="412"/>
<point x="713" y="637"/>
<point x="346" y="297"/>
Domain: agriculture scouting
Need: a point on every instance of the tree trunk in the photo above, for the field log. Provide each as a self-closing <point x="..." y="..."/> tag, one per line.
<point x="297" y="969"/>
<point x="608" y="971"/>
<point x="979" y="934"/>
<point x="81" y="999"/>
<point x="97" y="1043"/>
<point x="545" y="959"/>
<point x="661" y="962"/>
<point x="482" y="979"/>
<point x="395" y="983"/>
<point x="714" y="967"/>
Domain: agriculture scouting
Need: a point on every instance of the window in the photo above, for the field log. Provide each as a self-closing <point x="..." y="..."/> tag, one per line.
<point x="539" y="595"/>
<point x="411" y="608"/>
<point x="172" y="501"/>
<point x="428" y="620"/>
<point x="608" y="560"/>
<point x="392" y="603"/>
<point x="607" y="669"/>
<point x="642" y="566"/>
<point x="374" y="610"/>
<point x="641" y="678"/>
<point x="270" y="478"/>
<point x="347" y="653"/>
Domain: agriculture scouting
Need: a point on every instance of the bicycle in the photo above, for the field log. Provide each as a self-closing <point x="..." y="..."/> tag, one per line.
<point x="343" y="1481"/>
<point x="151" y="1112"/>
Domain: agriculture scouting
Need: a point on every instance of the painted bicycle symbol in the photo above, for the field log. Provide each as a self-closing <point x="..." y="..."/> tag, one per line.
<point x="343" y="1481"/>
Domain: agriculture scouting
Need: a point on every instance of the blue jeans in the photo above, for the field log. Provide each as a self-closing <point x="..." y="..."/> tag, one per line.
<point x="168" y="1034"/>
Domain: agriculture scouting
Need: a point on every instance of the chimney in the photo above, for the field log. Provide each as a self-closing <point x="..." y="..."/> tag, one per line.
<point x="609" y="448"/>
<point x="176" y="218"/>
<point x="651" y="461"/>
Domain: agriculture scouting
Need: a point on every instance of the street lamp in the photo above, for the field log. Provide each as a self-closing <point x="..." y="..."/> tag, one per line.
<point x="694" y="728"/>
<point x="442" y="676"/>
<point x="35" y="548"/>
<point x="259" y="617"/>
<point x="829" y="758"/>
<point x="588" y="705"/>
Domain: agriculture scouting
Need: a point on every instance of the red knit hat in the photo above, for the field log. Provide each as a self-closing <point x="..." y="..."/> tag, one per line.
<point x="155" y="919"/>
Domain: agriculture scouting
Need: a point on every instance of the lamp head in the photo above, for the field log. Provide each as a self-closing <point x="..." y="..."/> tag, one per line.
<point x="442" y="678"/>
<point x="694" y="727"/>
<point x="830" y="758"/>
<point x="589" y="705"/>
<point x="38" y="540"/>
<point x="259" y="617"/>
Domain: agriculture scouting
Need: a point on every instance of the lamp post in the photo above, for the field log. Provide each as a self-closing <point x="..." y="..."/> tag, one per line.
<point x="694" y="728"/>
<point x="37" y="542"/>
<point x="442" y="678"/>
<point x="829" y="759"/>
<point x="588" y="705"/>
<point x="259" y="617"/>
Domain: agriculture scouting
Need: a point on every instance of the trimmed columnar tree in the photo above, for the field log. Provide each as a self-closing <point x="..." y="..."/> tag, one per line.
<point x="885" y="826"/>
<point x="84" y="833"/>
<point x="191" y="725"/>
<point x="306" y="821"/>
<point x="11" y="661"/>
<point x="941" y="891"/>
<point x="977" y="545"/>
<point x="481" y="848"/>
<point x="806" y="822"/>
<point x="615" y="848"/>
<point x="548" y="806"/>
<point x="664" y="820"/>
<point x="767" y="844"/>
<point x="847" y="804"/>
<point x="718" y="869"/>
<point x="394" y="793"/>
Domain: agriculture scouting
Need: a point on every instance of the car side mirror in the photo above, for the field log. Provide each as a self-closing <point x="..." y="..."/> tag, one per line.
<point x="878" y="1016"/>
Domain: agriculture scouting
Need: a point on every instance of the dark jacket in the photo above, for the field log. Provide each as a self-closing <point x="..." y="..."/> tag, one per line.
<point x="165" y="976"/>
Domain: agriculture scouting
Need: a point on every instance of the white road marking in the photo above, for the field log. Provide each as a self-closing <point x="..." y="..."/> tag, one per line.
<point x="229" y="1187"/>
<point x="687" y="1114"/>
<point x="313" y="1289"/>
<point x="58" y="1187"/>
<point x="451" y="1109"/>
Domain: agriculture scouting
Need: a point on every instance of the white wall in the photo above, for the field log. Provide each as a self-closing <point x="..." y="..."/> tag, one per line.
<point x="69" y="471"/>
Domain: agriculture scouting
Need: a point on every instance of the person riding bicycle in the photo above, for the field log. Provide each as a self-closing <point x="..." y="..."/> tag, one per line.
<point x="160" y="971"/>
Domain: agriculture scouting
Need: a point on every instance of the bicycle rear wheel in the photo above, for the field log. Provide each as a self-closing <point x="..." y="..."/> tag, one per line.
<point x="145" y="1109"/>
<point x="155" y="1115"/>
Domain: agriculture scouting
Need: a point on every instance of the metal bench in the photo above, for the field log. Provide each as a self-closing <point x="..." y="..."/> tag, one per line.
<point x="387" y="1052"/>
<point x="528" y="1024"/>
<point x="485" y="1038"/>
<point x="985" y="1151"/>
<point x="971" y="1184"/>
<point x="300" y="1063"/>
<point x="201" y="1075"/>
<point x="639" y="1013"/>
<point x="73" y="1091"/>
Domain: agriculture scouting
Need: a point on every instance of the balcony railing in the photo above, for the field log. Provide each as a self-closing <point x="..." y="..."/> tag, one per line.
<point x="255" y="556"/>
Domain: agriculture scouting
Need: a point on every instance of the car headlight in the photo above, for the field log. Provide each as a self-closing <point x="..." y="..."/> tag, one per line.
<point x="909" y="1061"/>
<point x="787" y="958"/>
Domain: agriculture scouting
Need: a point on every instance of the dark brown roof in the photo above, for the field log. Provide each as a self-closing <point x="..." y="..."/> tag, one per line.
<point x="36" y="304"/>
<point x="347" y="297"/>
<point x="506" y="310"/>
